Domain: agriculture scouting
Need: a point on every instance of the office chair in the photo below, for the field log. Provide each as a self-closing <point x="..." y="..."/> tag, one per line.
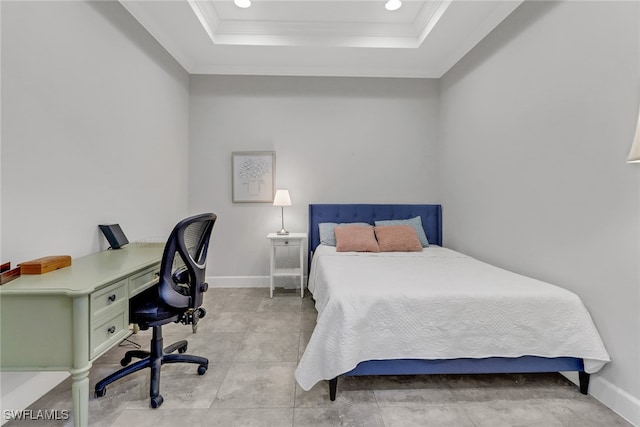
<point x="176" y="298"/>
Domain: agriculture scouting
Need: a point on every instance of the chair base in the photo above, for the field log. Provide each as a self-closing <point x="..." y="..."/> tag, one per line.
<point x="153" y="359"/>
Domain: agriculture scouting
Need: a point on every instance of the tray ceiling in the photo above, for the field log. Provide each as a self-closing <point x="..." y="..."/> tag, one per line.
<point x="319" y="37"/>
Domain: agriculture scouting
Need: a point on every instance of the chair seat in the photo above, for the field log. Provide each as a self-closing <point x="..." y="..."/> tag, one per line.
<point x="147" y="310"/>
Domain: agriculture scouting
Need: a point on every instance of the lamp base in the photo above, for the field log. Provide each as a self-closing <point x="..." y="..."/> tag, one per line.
<point x="282" y="232"/>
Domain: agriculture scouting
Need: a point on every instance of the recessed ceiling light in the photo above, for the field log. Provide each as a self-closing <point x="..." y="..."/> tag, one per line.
<point x="393" y="5"/>
<point x="244" y="3"/>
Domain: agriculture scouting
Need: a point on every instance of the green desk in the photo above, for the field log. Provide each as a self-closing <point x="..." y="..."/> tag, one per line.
<point x="65" y="319"/>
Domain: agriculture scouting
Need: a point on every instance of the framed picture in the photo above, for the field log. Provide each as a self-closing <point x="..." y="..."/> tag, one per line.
<point x="253" y="176"/>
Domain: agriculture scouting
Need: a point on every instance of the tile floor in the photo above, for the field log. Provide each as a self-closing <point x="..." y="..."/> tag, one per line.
<point x="253" y="344"/>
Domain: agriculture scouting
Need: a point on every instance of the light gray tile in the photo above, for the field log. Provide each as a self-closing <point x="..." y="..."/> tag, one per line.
<point x="160" y="417"/>
<point x="350" y="391"/>
<point x="401" y="416"/>
<point x="496" y="387"/>
<point x="234" y="292"/>
<point x="182" y="387"/>
<point x="308" y="304"/>
<point x="281" y="303"/>
<point x="415" y="390"/>
<point x="226" y="321"/>
<point x="257" y="385"/>
<point x="309" y="320"/>
<point x="245" y="303"/>
<point x="351" y="415"/>
<point x="305" y="336"/>
<point x="269" y="347"/>
<point x="249" y="417"/>
<point x="584" y="413"/>
<point x="511" y="414"/>
<point x="275" y="322"/>
<point x="216" y="346"/>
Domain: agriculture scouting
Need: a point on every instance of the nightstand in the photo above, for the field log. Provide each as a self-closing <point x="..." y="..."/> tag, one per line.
<point x="282" y="241"/>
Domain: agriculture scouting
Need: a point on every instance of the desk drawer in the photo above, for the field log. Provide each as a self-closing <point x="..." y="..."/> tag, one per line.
<point x="143" y="280"/>
<point x="108" y="332"/>
<point x="105" y="300"/>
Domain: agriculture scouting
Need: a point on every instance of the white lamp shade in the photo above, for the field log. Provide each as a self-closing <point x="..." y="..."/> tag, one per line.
<point x="634" y="154"/>
<point x="282" y="198"/>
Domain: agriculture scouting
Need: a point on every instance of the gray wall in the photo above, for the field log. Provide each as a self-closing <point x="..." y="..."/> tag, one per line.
<point x="536" y="124"/>
<point x="337" y="140"/>
<point x="94" y="129"/>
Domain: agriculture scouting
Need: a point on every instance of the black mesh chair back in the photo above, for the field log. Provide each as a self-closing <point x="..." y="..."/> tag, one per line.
<point x="182" y="272"/>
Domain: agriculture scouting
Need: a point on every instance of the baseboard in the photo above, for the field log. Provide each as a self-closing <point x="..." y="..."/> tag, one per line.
<point x="250" y="282"/>
<point x="616" y="399"/>
<point x="21" y="389"/>
<point x="238" y="281"/>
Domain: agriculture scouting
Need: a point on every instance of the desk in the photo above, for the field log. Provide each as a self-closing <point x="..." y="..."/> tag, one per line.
<point x="65" y="319"/>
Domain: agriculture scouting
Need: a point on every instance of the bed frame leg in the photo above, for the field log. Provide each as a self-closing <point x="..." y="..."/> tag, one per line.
<point x="333" y="385"/>
<point x="584" y="381"/>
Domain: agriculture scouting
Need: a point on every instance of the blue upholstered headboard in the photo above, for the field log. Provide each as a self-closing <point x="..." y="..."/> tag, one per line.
<point x="431" y="218"/>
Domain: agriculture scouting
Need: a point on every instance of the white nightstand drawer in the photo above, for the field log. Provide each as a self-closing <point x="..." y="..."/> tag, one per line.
<point x="108" y="332"/>
<point x="143" y="280"/>
<point x="105" y="300"/>
<point x="292" y="242"/>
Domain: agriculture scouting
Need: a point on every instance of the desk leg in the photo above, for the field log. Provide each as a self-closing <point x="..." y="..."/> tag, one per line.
<point x="80" y="394"/>
<point x="81" y="363"/>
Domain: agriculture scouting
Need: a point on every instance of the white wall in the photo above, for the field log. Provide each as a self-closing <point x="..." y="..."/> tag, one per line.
<point x="337" y="140"/>
<point x="536" y="124"/>
<point x="95" y="117"/>
<point x="95" y="130"/>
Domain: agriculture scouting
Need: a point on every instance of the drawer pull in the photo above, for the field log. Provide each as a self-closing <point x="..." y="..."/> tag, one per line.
<point x="286" y="242"/>
<point x="112" y="297"/>
<point x="112" y="329"/>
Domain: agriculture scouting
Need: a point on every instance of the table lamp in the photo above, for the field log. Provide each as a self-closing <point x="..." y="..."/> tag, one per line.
<point x="282" y="199"/>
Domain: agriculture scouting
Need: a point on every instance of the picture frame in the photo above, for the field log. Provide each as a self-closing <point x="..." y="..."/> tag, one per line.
<point x="253" y="176"/>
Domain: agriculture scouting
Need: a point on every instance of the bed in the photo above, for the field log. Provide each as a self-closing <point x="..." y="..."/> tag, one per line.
<point x="434" y="312"/>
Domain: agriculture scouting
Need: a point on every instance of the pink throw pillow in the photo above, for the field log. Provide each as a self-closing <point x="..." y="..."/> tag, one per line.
<point x="398" y="238"/>
<point x="356" y="238"/>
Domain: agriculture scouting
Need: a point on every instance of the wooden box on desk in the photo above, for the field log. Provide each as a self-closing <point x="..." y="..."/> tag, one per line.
<point x="45" y="264"/>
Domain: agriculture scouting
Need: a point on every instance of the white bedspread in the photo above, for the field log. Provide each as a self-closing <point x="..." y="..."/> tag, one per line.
<point x="436" y="304"/>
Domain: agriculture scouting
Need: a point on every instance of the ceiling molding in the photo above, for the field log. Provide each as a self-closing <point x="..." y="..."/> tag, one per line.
<point x="207" y="16"/>
<point x="429" y="18"/>
<point x="305" y="33"/>
<point x="319" y="37"/>
<point x="329" y="71"/>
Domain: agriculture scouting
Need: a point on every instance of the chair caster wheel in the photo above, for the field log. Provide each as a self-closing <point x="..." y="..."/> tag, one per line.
<point x="202" y="369"/>
<point x="156" y="401"/>
<point x="182" y="349"/>
<point x="100" y="393"/>
<point x="125" y="361"/>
